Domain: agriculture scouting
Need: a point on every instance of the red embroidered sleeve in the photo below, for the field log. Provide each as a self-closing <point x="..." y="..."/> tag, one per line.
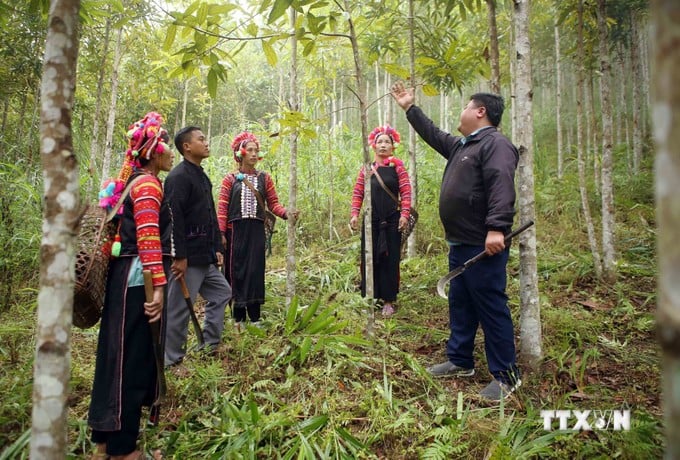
<point x="404" y="190"/>
<point x="272" y="198"/>
<point x="223" y="202"/>
<point x="358" y="194"/>
<point x="147" y="195"/>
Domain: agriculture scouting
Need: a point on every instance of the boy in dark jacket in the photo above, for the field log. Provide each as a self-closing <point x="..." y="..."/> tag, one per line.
<point x="476" y="207"/>
<point x="197" y="247"/>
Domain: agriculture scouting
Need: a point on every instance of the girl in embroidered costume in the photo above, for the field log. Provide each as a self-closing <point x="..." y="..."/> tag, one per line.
<point x="125" y="372"/>
<point x="387" y="217"/>
<point x="240" y="216"/>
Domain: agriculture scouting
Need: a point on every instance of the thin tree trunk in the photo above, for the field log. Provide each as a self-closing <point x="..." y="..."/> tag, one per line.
<point x="608" y="222"/>
<point x="666" y="18"/>
<point x="368" y="231"/>
<point x="294" y="105"/>
<point x="378" y="98"/>
<point x="558" y="103"/>
<point x="495" y="81"/>
<point x="413" y="170"/>
<point x="530" y="316"/>
<point x="94" y="148"/>
<point x="185" y="98"/>
<point x="111" y="121"/>
<point x="637" y="102"/>
<point x="61" y="211"/>
<point x="580" y="87"/>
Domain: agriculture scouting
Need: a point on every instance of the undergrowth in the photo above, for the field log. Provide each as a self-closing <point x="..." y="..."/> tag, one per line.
<point x="313" y="384"/>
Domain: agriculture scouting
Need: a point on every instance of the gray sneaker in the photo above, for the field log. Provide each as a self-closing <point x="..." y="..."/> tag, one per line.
<point x="495" y="391"/>
<point x="447" y="369"/>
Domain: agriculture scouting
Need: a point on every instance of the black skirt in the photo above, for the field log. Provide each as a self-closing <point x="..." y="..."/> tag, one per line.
<point x="245" y="261"/>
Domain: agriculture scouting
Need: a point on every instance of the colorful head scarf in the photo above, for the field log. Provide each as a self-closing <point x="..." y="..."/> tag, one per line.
<point x="145" y="136"/>
<point x="380" y="130"/>
<point x="238" y="145"/>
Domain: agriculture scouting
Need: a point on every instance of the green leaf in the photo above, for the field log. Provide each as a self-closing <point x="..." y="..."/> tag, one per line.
<point x="310" y="425"/>
<point x="170" y="34"/>
<point x="279" y="8"/>
<point x="291" y="314"/>
<point x="252" y="29"/>
<point x="311" y="310"/>
<point x="269" y="53"/>
<point x="309" y="47"/>
<point x="212" y="83"/>
<point x="304" y="348"/>
<point x="430" y="90"/>
<point x="397" y="70"/>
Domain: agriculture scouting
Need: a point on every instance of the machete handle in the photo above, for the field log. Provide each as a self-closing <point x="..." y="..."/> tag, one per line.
<point x="519" y="230"/>
<point x="185" y="289"/>
<point x="148" y="285"/>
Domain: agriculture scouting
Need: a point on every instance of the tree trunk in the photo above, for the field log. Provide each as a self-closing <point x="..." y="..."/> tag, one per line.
<point x="368" y="232"/>
<point x="294" y="105"/>
<point x="558" y="103"/>
<point x="413" y="171"/>
<point x="580" y="95"/>
<point x="637" y="102"/>
<point x="94" y="148"/>
<point x="378" y="96"/>
<point x="495" y="81"/>
<point x="62" y="209"/>
<point x="608" y="222"/>
<point x="666" y="18"/>
<point x="530" y="319"/>
<point x="111" y="121"/>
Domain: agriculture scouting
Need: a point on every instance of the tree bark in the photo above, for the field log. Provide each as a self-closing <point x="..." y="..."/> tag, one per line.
<point x="294" y="104"/>
<point x="494" y="58"/>
<point x="94" y="148"/>
<point x="368" y="231"/>
<point x="111" y="121"/>
<point x="666" y="18"/>
<point x="62" y="206"/>
<point x="580" y="95"/>
<point x="608" y="221"/>
<point x="413" y="171"/>
<point x="558" y="103"/>
<point x="637" y="102"/>
<point x="530" y="316"/>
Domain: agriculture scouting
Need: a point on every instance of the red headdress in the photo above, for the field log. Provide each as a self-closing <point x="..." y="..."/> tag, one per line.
<point x="380" y="130"/>
<point x="238" y="145"/>
<point x="145" y="136"/>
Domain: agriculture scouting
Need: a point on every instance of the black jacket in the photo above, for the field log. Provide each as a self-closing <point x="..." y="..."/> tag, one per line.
<point x="195" y="231"/>
<point x="478" y="187"/>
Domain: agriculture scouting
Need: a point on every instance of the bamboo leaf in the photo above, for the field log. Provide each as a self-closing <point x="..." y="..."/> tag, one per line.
<point x="430" y="90"/>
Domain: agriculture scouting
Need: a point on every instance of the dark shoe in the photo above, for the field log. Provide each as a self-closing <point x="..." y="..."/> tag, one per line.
<point x="495" y="391"/>
<point x="447" y="369"/>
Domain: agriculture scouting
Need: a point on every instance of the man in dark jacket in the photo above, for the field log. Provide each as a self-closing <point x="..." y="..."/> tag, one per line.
<point x="197" y="247"/>
<point x="476" y="207"/>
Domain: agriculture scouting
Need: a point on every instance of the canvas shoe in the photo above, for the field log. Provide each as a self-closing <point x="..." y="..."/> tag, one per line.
<point x="495" y="391"/>
<point x="447" y="369"/>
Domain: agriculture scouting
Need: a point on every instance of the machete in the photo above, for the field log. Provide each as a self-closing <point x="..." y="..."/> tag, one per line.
<point x="444" y="280"/>
<point x="156" y="341"/>
<point x="192" y="313"/>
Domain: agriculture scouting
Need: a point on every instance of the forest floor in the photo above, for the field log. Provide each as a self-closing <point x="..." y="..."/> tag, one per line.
<point x="312" y="384"/>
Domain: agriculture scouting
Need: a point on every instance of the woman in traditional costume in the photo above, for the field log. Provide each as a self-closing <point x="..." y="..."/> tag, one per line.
<point x="390" y="209"/>
<point x="125" y="377"/>
<point x="241" y="214"/>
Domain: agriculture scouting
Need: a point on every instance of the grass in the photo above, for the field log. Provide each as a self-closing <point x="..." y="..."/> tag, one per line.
<point x="312" y="384"/>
